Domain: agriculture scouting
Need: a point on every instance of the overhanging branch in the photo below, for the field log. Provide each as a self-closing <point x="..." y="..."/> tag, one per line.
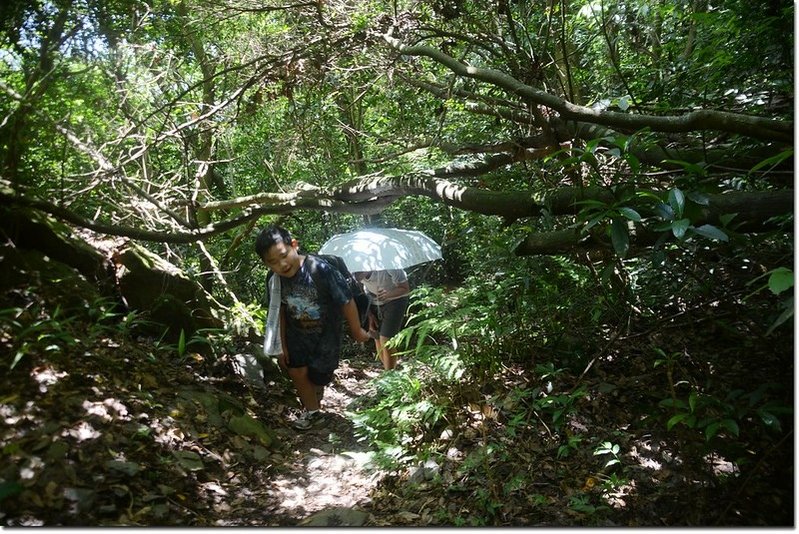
<point x="746" y="125"/>
<point x="373" y="193"/>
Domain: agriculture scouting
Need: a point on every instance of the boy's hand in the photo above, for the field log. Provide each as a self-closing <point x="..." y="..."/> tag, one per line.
<point x="283" y="360"/>
<point x="363" y="336"/>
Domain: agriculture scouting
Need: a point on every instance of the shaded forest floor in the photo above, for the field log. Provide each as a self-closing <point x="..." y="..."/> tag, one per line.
<point x="104" y="428"/>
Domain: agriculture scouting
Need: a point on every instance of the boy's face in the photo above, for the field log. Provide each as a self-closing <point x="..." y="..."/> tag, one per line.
<point x="283" y="259"/>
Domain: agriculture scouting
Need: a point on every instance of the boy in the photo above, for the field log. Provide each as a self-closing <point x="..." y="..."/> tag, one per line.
<point x="313" y="299"/>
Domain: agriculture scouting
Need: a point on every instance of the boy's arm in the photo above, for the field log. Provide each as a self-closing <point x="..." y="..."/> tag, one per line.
<point x="350" y="312"/>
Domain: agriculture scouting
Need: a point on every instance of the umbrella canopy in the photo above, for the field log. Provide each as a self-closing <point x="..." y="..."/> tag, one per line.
<point x="380" y="249"/>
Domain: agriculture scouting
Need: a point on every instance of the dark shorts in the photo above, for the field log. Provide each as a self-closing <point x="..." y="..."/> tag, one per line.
<point x="319" y="378"/>
<point x="391" y="316"/>
<point x="320" y="371"/>
<point x="316" y="376"/>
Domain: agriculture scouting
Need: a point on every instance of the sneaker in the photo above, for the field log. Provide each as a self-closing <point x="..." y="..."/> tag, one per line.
<point x="307" y="420"/>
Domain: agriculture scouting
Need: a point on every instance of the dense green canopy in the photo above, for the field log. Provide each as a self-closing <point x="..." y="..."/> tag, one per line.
<point x="595" y="171"/>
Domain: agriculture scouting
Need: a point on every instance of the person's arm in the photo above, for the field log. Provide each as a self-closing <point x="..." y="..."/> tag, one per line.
<point x="350" y="311"/>
<point x="400" y="290"/>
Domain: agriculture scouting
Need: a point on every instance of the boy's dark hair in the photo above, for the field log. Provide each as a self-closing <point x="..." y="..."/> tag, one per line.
<point x="270" y="236"/>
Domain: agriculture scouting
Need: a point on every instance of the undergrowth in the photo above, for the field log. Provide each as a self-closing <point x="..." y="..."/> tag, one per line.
<point x="527" y="396"/>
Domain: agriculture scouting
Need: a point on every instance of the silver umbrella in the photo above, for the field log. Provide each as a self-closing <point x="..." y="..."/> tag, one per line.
<point x="380" y="249"/>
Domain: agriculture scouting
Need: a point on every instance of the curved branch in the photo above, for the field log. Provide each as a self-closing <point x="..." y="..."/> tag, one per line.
<point x="372" y="194"/>
<point x="746" y="125"/>
<point x="316" y="204"/>
<point x="586" y="131"/>
<point x="658" y="153"/>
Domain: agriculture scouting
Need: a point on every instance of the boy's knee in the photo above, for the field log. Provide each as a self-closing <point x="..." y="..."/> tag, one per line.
<point x="298" y="372"/>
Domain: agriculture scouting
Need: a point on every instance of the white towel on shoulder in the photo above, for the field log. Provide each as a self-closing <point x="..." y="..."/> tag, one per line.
<point x="272" y="343"/>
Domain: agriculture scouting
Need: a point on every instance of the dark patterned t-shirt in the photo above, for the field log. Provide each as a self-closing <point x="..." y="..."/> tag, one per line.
<point x="313" y="315"/>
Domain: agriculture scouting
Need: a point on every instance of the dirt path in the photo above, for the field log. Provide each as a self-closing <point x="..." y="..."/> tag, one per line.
<point x="320" y="476"/>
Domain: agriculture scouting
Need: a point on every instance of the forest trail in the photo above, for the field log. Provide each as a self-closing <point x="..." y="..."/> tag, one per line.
<point x="116" y="430"/>
<point x="322" y="476"/>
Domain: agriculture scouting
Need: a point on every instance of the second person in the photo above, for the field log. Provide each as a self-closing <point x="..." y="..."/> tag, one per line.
<point x="388" y="292"/>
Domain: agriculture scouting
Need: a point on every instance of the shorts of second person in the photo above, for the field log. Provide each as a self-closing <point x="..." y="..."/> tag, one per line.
<point x="391" y="316"/>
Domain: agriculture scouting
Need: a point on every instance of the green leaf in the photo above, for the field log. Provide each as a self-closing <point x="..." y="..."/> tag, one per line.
<point x="664" y="211"/>
<point x="129" y="468"/>
<point x="770" y="420"/>
<point x="784" y="316"/>
<point x="633" y="162"/>
<point x="730" y="425"/>
<point x="691" y="168"/>
<point x="675" y="419"/>
<point x="630" y="214"/>
<point x="679" y="227"/>
<point x="590" y="146"/>
<point x="620" y="237"/>
<point x="182" y="343"/>
<point x="677" y="201"/>
<point x="726" y="218"/>
<point x="692" y="401"/>
<point x="711" y="430"/>
<point x="675" y="403"/>
<point x="245" y="425"/>
<point x="593" y="222"/>
<point x="711" y="232"/>
<point x="773" y="160"/>
<point x="780" y="280"/>
<point x="699" y="198"/>
<point x="189" y="460"/>
<point x="648" y="194"/>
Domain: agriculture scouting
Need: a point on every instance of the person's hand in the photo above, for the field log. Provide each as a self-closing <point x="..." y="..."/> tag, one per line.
<point x="373" y="333"/>
<point x="363" y="336"/>
<point x="382" y="294"/>
<point x="283" y="360"/>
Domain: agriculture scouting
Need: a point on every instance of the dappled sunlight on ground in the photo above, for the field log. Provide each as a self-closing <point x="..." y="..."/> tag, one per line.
<point x="324" y="467"/>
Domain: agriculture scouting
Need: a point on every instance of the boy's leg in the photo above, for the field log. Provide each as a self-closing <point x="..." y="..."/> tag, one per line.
<point x="306" y="389"/>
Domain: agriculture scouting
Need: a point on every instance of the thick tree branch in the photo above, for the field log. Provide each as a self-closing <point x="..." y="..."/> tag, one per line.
<point x="315" y="204"/>
<point x="746" y="125"/>
<point x="754" y="211"/>
<point x="373" y="193"/>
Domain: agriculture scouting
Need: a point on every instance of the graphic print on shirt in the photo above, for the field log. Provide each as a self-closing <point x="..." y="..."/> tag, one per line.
<point x="303" y="306"/>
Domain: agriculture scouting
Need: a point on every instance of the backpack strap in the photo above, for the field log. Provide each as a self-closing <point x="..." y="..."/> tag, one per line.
<point x="313" y="268"/>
